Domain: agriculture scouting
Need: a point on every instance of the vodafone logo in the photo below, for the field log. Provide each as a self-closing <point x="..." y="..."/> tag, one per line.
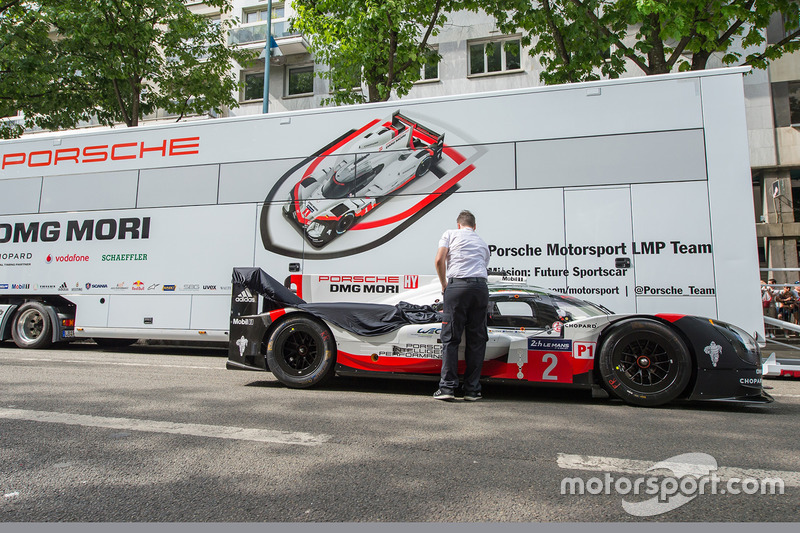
<point x="73" y="258"/>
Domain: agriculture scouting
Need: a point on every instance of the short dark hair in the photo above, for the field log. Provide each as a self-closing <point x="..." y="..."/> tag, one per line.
<point x="466" y="218"/>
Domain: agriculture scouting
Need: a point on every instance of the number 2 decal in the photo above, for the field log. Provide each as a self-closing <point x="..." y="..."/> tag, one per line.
<point x="546" y="375"/>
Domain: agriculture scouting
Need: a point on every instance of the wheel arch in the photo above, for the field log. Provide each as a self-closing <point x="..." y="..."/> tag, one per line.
<point x="299" y="313"/>
<point x="672" y="326"/>
<point x="56" y="307"/>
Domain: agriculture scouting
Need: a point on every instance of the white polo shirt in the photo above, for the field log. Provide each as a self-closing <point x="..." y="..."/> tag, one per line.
<point x="467" y="254"/>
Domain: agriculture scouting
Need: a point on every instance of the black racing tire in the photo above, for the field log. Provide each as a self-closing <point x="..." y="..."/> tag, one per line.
<point x="113" y="343"/>
<point x="424" y="166"/>
<point x="645" y="363"/>
<point x="31" y="327"/>
<point x="346" y="222"/>
<point x="301" y="353"/>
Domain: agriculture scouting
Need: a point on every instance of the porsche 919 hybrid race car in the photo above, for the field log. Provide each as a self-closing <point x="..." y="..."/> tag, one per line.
<point x="345" y="188"/>
<point x="535" y="336"/>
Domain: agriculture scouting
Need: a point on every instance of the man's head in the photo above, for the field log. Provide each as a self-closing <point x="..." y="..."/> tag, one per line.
<point x="466" y="219"/>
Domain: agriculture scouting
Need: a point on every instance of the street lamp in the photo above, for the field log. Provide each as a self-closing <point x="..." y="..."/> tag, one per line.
<point x="267" y="54"/>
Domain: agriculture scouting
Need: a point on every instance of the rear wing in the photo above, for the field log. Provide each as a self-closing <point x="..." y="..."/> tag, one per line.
<point x="253" y="292"/>
<point x="433" y="141"/>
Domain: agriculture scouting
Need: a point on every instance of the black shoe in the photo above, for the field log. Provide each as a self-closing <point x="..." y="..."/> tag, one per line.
<point x="472" y="396"/>
<point x="441" y="395"/>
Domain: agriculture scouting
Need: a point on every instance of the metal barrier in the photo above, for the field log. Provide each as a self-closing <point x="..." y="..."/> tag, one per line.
<point x="771" y="367"/>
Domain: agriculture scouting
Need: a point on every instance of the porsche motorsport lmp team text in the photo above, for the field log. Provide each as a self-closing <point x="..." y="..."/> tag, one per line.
<point x="594" y="250"/>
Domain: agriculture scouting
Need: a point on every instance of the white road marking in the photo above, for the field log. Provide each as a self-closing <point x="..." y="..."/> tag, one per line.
<point x="785" y="395"/>
<point x="155" y="426"/>
<point x="113" y="363"/>
<point x="633" y="466"/>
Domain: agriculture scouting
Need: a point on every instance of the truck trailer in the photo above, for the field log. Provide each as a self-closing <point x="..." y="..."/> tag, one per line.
<point x="632" y="193"/>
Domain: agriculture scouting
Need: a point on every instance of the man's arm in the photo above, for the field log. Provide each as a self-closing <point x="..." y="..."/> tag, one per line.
<point x="441" y="266"/>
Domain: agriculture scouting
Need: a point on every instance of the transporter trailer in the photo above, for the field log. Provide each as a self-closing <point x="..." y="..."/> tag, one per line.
<point x="633" y="193"/>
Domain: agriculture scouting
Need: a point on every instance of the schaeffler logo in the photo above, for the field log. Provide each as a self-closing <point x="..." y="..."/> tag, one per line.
<point x="245" y="297"/>
<point x="670" y="484"/>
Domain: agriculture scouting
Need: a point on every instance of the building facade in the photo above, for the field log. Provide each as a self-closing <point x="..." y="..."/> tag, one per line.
<point x="467" y="66"/>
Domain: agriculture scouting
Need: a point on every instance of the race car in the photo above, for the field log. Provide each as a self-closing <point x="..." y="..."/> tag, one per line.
<point x="535" y="336"/>
<point x="342" y="189"/>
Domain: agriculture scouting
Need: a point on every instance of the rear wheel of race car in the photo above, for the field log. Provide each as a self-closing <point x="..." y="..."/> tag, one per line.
<point x="645" y="363"/>
<point x="32" y="327"/>
<point x="346" y="222"/>
<point x="301" y="353"/>
<point x="424" y="166"/>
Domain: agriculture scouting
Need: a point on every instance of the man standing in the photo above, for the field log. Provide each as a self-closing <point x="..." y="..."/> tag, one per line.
<point x="461" y="263"/>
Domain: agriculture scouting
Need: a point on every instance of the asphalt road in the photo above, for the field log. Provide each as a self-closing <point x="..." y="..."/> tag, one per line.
<point x="168" y="435"/>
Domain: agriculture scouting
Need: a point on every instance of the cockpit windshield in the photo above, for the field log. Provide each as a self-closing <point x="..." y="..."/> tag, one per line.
<point x="346" y="177"/>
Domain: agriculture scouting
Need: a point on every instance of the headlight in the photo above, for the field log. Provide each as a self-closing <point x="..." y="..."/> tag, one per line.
<point x="747" y="347"/>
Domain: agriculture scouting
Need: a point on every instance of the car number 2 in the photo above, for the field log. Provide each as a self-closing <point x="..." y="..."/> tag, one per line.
<point x="553" y="360"/>
<point x="550" y="366"/>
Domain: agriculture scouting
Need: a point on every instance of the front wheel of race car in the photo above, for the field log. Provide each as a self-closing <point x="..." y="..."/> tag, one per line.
<point x="301" y="353"/>
<point x="424" y="166"/>
<point x="644" y="362"/>
<point x="346" y="222"/>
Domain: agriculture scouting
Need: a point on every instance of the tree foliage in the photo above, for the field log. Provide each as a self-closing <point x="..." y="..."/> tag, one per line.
<point x="381" y="44"/>
<point x="578" y="40"/>
<point x="115" y="60"/>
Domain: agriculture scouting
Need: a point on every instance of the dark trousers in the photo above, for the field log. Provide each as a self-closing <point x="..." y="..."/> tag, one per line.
<point x="465" y="308"/>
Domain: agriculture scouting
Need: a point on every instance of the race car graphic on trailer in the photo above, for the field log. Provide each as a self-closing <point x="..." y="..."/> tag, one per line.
<point x="535" y="335"/>
<point x="336" y="190"/>
<point x="332" y="198"/>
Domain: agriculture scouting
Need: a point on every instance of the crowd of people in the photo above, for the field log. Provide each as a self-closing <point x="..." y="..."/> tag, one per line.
<point x="780" y="302"/>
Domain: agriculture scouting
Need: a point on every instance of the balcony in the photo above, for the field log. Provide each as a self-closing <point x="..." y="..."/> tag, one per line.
<point x="290" y="42"/>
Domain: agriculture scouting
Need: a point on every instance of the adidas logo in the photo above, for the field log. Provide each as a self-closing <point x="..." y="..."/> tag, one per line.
<point x="245" y="297"/>
<point x="63" y="287"/>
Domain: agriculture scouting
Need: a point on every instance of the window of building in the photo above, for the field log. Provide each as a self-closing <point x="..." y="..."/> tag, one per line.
<point x="492" y="57"/>
<point x="279" y="19"/>
<point x="300" y="81"/>
<point x="253" y="86"/>
<point x="348" y="78"/>
<point x="254" y="25"/>
<point x="786" y="103"/>
<point x="430" y="69"/>
<point x="794" y="102"/>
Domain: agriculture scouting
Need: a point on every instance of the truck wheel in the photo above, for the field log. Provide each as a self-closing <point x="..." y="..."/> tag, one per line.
<point x="301" y="353"/>
<point x="645" y="363"/>
<point x="31" y="327"/>
<point x="346" y="222"/>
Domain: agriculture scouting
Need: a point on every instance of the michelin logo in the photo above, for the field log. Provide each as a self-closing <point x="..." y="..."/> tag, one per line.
<point x="242" y="344"/>
<point x="245" y="297"/>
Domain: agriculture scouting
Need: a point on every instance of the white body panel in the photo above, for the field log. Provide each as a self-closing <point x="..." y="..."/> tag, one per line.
<point x="563" y="181"/>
